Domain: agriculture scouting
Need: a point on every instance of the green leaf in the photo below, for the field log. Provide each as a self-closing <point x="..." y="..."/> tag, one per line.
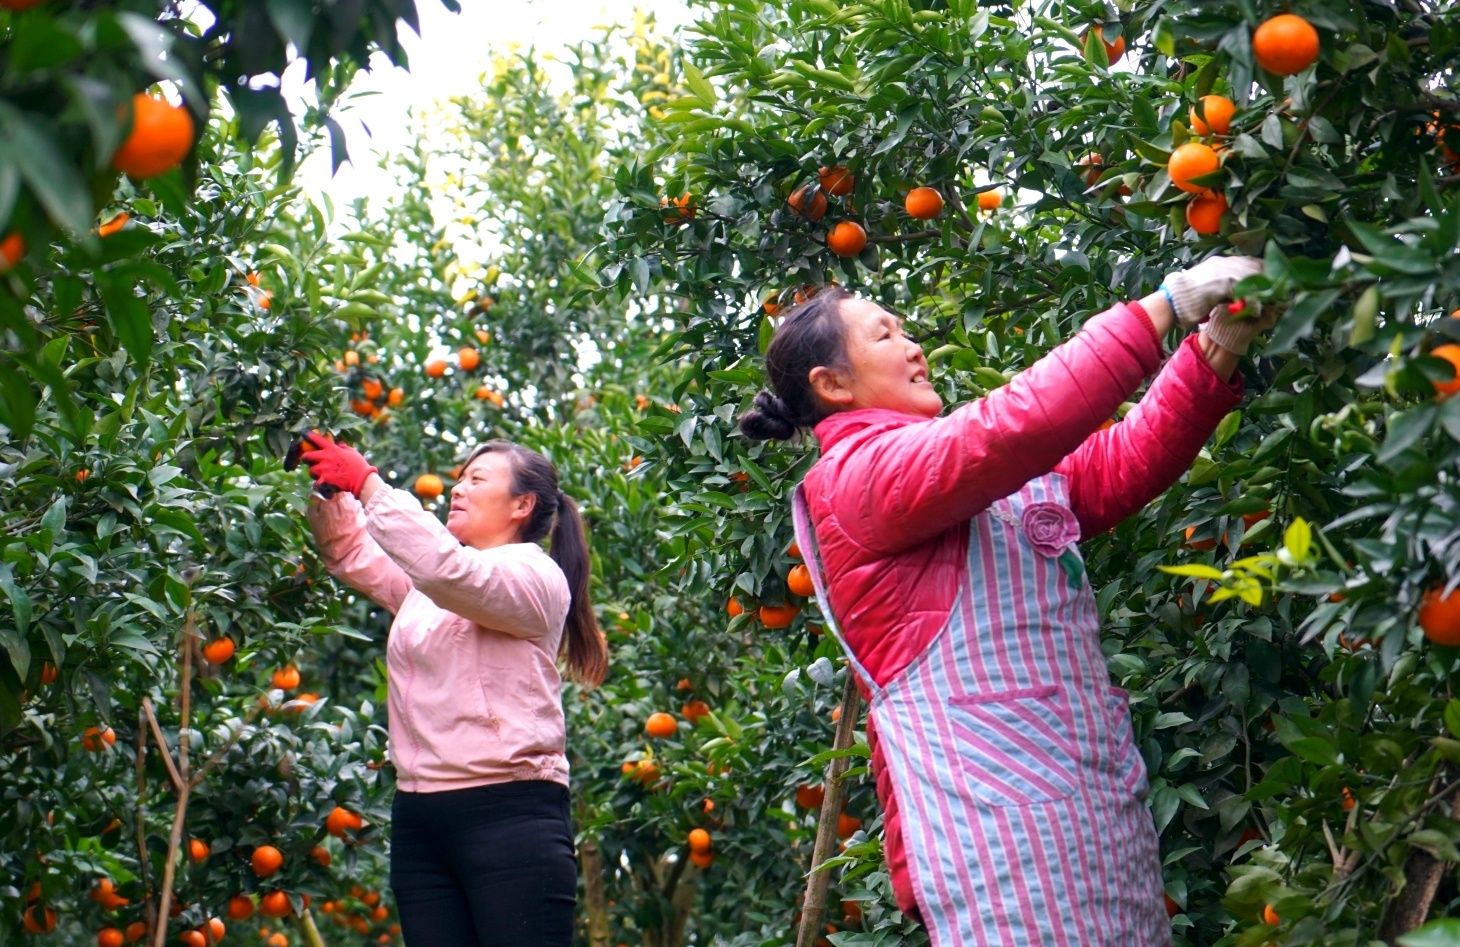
<point x="1442" y="933"/>
<point x="698" y="84"/>
<point x="1194" y="570"/>
<point x="1298" y="539"/>
<point x="130" y="317"/>
<point x="46" y="169"/>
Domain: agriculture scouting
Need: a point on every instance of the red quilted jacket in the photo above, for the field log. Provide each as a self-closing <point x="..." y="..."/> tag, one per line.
<point x="892" y="494"/>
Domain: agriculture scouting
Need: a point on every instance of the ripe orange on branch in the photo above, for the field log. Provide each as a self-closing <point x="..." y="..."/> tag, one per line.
<point x="161" y="136"/>
<point x="218" y="651"/>
<point x="680" y="210"/>
<point x="42" y="923"/>
<point x="285" y="678"/>
<point x="1439" y="616"/>
<point x="95" y="740"/>
<point x="429" y="486"/>
<point x="275" y="904"/>
<point x="1113" y="51"/>
<point x="1204" y="212"/>
<point x="110" y="937"/>
<point x="846" y="239"/>
<point x="836" y="180"/>
<point x="468" y="358"/>
<point x="660" y="725"/>
<point x="808" y="205"/>
<point x="199" y="850"/>
<point x="923" y="203"/>
<point x="265" y="860"/>
<point x="699" y="840"/>
<point x="1451" y="354"/>
<point x="12" y="250"/>
<point x="342" y="820"/>
<point x="798" y="580"/>
<point x="1286" y="44"/>
<point x="1218" y="111"/>
<point x="990" y="200"/>
<point x="436" y="368"/>
<point x="1192" y="160"/>
<point x="695" y="709"/>
<point x="778" y="616"/>
<point x="240" y="907"/>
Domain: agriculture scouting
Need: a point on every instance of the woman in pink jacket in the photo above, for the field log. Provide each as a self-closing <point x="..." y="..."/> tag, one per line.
<point x="481" y="842"/>
<point x="1004" y="759"/>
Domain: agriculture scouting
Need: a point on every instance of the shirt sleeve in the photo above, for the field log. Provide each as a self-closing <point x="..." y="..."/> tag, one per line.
<point x="350" y="555"/>
<point x="1121" y="469"/>
<point x="904" y="485"/>
<point x="512" y="589"/>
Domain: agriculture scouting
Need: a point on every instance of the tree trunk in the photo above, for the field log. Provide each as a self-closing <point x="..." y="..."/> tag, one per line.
<point x="1422" y="875"/>
<point x="813" y="903"/>
<point x="591" y="859"/>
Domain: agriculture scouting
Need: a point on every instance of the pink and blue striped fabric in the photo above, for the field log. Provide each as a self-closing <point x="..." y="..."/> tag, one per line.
<point x="1013" y="759"/>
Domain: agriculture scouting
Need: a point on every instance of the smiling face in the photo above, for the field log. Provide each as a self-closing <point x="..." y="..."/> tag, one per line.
<point x="484" y="513"/>
<point x="884" y="367"/>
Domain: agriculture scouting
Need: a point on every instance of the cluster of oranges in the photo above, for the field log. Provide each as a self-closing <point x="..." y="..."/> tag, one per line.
<point x="798" y="583"/>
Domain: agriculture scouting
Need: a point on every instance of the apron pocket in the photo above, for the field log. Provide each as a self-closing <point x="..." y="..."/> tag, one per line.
<point x="1014" y="747"/>
<point x="1130" y="768"/>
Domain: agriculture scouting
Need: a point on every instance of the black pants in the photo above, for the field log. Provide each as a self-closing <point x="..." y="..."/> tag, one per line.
<point x="486" y="867"/>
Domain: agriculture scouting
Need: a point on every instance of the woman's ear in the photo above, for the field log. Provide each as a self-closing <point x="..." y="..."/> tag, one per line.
<point x="522" y="509"/>
<point x="830" y="386"/>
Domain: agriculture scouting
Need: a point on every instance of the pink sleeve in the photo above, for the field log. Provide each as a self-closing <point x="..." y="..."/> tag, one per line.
<point x="910" y="483"/>
<point x="1121" y="469"/>
<point x="350" y="555"/>
<point x="515" y="589"/>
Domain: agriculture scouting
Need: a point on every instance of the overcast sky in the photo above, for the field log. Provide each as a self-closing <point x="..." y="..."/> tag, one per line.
<point x="449" y="58"/>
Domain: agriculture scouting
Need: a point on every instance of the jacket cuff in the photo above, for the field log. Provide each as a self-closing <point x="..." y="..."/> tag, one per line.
<point x="1140" y="312"/>
<point x="1204" y="379"/>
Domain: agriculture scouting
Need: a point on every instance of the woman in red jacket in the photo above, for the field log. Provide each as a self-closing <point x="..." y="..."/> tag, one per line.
<point x="1004" y="759"/>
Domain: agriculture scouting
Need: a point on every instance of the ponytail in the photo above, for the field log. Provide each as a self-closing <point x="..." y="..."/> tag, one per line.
<point x="554" y="511"/>
<point x="587" y="650"/>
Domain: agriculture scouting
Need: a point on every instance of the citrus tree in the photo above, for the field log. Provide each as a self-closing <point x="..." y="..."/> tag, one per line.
<point x="159" y="350"/>
<point x="1290" y="709"/>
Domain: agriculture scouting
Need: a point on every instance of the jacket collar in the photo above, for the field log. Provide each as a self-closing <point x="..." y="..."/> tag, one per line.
<point x="835" y="428"/>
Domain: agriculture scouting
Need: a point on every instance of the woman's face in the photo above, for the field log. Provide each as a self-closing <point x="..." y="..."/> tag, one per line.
<point x="885" y="368"/>
<point x="483" y="512"/>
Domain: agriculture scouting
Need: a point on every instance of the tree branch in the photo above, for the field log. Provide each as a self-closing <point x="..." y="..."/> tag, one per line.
<point x="177" y="780"/>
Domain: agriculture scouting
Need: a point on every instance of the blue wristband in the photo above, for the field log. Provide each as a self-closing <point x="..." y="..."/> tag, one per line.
<point x="1169" y="301"/>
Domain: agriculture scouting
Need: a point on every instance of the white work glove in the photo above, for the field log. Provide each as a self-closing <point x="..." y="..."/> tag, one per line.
<point x="1196" y="292"/>
<point x="1234" y="331"/>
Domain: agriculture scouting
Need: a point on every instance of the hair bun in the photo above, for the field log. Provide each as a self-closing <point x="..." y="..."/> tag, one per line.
<point x="768" y="420"/>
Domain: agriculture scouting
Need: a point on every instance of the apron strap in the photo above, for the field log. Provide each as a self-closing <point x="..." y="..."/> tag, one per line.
<point x="806" y="539"/>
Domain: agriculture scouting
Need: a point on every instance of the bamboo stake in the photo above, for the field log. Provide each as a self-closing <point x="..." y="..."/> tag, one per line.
<point x="813" y="903"/>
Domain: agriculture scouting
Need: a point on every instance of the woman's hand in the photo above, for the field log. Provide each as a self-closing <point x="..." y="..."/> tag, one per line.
<point x="1233" y="327"/>
<point x="1196" y="292"/>
<point x="336" y="465"/>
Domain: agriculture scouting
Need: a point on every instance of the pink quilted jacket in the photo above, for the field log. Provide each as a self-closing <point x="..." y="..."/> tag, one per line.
<point x="892" y="494"/>
<point x="475" y="696"/>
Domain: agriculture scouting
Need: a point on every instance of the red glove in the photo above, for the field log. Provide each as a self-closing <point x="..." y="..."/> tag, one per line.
<point x="336" y="465"/>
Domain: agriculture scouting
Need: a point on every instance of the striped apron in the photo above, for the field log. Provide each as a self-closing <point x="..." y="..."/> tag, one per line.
<point x="1012" y="757"/>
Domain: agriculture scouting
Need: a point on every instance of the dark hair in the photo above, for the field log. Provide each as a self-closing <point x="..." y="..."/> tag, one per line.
<point x="554" y="511"/>
<point x="809" y="336"/>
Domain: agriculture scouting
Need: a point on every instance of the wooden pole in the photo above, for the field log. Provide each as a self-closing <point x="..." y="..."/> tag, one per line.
<point x="813" y="904"/>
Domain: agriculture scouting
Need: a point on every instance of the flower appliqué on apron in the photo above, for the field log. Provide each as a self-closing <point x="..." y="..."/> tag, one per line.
<point x="1051" y="530"/>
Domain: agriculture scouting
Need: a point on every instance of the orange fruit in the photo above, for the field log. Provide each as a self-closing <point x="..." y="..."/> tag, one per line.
<point x="278" y="940"/>
<point x="43" y="923"/>
<point x="778" y="616"/>
<point x="1218" y="110"/>
<point x="1286" y="44"/>
<point x="810" y="206"/>
<point x="193" y="939"/>
<point x="372" y="389"/>
<point x="265" y="860"/>
<point x="240" y="907"/>
<point x="1250" y="520"/>
<point x="342" y="820"/>
<point x="709" y="805"/>
<point x="1172" y="908"/>
<point x="199" y="850"/>
<point x="990" y="200"/>
<point x="217" y="928"/>
<point x="436" y="367"/>
<point x="1348" y="799"/>
<point x="110" y="937"/>
<point x="836" y="180"/>
<point x="660" y="725"/>
<point x="136" y="930"/>
<point x="1450" y="353"/>
<point x="1270" y="916"/>
<point x="395" y="397"/>
<point x="362" y="407"/>
<point x="12" y="249"/>
<point x="923" y="203"/>
<point x="218" y="650"/>
<point x="285" y="678"/>
<point x="684" y="682"/>
<point x="734" y="608"/>
<point x="94" y="740"/>
<point x="1094" y="164"/>
<point x="699" y="840"/>
<point x="810" y="797"/>
<point x="113" y="225"/>
<point x="1113" y="51"/>
<point x="836" y="713"/>
<point x="694" y="710"/>
<point x="852" y="911"/>
<point x="846" y="825"/>
<point x="1199" y="543"/>
<point x="1192" y="160"/>
<point x="468" y="358"/>
<point x="1439" y="616"/>
<point x="798" y="580"/>
<point x="1204" y="212"/>
<point x="321" y="855"/>
<point x="428" y="486"/>
<point x="794" y="550"/>
<point x="352" y="358"/>
<point x="682" y="212"/>
<point x="846" y="239"/>
<point x="275" y="904"/>
<point x="48" y="673"/>
<point x="702" y="859"/>
<point x="161" y="137"/>
<point x="379" y="914"/>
